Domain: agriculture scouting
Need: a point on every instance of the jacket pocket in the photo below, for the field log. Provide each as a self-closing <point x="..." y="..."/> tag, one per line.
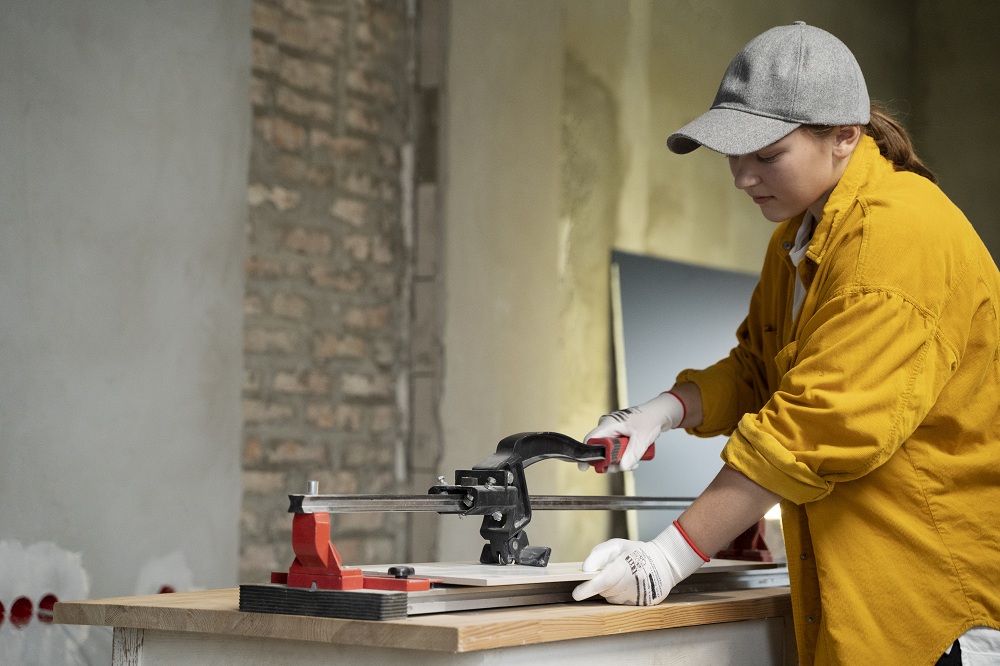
<point x="786" y="358"/>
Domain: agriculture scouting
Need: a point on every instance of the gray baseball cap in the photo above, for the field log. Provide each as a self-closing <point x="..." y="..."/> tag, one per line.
<point x="789" y="76"/>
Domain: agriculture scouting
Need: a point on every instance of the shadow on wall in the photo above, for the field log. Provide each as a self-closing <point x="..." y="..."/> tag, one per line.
<point x="34" y="578"/>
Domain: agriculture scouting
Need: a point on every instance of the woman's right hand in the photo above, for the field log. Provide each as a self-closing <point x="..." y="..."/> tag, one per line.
<point x="642" y="424"/>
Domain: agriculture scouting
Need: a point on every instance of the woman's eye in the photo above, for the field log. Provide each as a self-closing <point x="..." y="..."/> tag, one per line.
<point x="767" y="160"/>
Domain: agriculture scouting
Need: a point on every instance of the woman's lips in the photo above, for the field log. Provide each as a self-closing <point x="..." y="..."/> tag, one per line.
<point x="761" y="200"/>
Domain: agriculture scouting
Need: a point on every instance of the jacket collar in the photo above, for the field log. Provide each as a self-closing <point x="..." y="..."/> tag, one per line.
<point x="866" y="164"/>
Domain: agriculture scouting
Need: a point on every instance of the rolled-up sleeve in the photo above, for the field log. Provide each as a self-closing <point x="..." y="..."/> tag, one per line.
<point x="864" y="374"/>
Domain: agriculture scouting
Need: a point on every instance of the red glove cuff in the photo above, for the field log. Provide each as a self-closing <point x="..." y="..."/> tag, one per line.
<point x="689" y="542"/>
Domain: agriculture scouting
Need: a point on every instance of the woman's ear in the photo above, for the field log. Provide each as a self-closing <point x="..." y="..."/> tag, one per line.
<point x="846" y="140"/>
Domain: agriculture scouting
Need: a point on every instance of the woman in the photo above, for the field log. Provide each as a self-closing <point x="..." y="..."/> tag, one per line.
<point x="864" y="391"/>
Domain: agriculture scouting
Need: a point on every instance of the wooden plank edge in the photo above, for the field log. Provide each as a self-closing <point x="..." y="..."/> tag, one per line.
<point x="595" y="618"/>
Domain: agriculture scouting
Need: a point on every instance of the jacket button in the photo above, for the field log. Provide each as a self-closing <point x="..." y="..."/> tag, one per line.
<point x="786" y="245"/>
<point x="803" y="556"/>
<point x="809" y="619"/>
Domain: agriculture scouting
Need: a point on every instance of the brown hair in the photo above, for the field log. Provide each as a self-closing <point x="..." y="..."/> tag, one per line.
<point x="892" y="139"/>
<point x="894" y="143"/>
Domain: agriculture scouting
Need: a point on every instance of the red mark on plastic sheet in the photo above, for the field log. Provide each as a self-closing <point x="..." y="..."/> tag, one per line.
<point x="45" y="607"/>
<point x="167" y="589"/>
<point x="20" y="612"/>
<point x="3" y="613"/>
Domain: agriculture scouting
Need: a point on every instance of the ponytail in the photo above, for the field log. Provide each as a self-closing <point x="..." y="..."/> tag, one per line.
<point x="894" y="143"/>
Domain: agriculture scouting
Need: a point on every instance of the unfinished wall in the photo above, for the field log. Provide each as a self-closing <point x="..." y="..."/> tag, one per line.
<point x="326" y="384"/>
<point x="124" y="134"/>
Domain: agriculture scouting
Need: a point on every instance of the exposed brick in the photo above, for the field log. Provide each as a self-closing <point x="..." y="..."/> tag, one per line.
<point x="388" y="193"/>
<point x="253" y="451"/>
<point x="263" y="483"/>
<point x="328" y="34"/>
<point x="361" y="522"/>
<point x="367" y="83"/>
<point x="352" y="211"/>
<point x="253" y="304"/>
<point x="319" y="35"/>
<point x="341" y="146"/>
<point x="251" y="382"/>
<point x="352" y="550"/>
<point x="287" y="135"/>
<point x="299" y="8"/>
<point x="379" y="549"/>
<point x="359" y="247"/>
<point x="262" y="268"/>
<point x="362" y="184"/>
<point x="361" y="119"/>
<point x="368" y="318"/>
<point x="262" y="127"/>
<point x="365" y="386"/>
<point x="250" y="523"/>
<point x="260" y="92"/>
<point x="258" y="411"/>
<point x="381" y="252"/>
<point x="302" y="382"/>
<point x="290" y="451"/>
<point x="384" y="25"/>
<point x="309" y="241"/>
<point x="265" y="57"/>
<point x="383" y="352"/>
<point x="383" y="483"/>
<point x="366" y="456"/>
<point x="385" y="282"/>
<point x="265" y="18"/>
<point x="325" y="269"/>
<point x="290" y="306"/>
<point x="281" y="525"/>
<point x="350" y="281"/>
<point x="309" y="76"/>
<point x="363" y="33"/>
<point x="290" y="101"/>
<point x="345" y="418"/>
<point x="281" y="198"/>
<point x="388" y="155"/>
<point x="335" y="482"/>
<point x="383" y="419"/>
<point x="328" y="346"/>
<point x="293" y="167"/>
<point x="260" y="340"/>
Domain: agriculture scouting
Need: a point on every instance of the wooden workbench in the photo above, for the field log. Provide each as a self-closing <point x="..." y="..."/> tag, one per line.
<point x="744" y="627"/>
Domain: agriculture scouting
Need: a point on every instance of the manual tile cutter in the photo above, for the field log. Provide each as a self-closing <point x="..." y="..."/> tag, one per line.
<point x="495" y="489"/>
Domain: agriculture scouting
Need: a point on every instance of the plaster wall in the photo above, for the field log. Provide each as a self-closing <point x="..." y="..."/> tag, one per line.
<point x="124" y="131"/>
<point x="501" y="206"/>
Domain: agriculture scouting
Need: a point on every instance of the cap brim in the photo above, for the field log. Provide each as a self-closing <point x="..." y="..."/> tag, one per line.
<point x="729" y="132"/>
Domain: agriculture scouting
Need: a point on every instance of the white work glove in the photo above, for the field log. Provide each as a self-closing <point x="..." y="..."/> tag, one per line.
<point x="642" y="424"/>
<point x="637" y="573"/>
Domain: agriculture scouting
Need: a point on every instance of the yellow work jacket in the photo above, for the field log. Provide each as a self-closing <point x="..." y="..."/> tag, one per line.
<point x="875" y="415"/>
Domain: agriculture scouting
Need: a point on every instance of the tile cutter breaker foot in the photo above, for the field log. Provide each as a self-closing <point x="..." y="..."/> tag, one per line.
<point x="495" y="489"/>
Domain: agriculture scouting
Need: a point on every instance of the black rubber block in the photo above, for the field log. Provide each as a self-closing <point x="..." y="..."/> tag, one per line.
<point x="347" y="604"/>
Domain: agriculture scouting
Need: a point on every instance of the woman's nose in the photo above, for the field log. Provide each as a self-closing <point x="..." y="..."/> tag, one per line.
<point x="744" y="175"/>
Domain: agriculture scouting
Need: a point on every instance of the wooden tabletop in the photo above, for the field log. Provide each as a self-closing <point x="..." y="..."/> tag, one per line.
<point x="217" y="612"/>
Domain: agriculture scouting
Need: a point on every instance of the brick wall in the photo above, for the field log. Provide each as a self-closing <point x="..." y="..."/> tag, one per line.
<point x="329" y="274"/>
